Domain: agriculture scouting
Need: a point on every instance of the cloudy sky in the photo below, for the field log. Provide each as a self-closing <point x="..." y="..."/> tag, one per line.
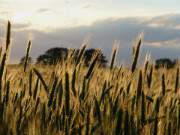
<point x="69" y="23"/>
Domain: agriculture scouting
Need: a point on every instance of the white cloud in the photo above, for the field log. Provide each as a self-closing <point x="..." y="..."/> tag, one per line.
<point x="167" y="43"/>
<point x="71" y="13"/>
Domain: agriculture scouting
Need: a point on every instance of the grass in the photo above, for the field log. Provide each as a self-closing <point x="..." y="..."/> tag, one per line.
<point x="72" y="99"/>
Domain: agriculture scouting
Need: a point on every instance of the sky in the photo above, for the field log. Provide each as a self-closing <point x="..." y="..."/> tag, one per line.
<point x="69" y="23"/>
<point x="48" y="14"/>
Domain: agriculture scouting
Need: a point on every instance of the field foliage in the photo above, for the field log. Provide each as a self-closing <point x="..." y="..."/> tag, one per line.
<point x="69" y="98"/>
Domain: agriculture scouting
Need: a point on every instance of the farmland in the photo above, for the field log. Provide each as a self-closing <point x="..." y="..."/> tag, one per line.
<point x="69" y="98"/>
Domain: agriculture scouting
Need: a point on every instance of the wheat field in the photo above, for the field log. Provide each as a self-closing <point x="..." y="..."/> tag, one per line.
<point x="72" y="99"/>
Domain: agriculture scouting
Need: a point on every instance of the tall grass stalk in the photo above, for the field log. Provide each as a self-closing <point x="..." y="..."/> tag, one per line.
<point x="27" y="55"/>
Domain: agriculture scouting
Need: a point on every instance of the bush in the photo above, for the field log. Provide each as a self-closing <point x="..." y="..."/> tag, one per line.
<point x="165" y="62"/>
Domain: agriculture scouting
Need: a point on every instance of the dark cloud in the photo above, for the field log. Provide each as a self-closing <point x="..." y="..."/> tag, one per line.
<point x="15" y="26"/>
<point x="67" y="2"/>
<point x="165" y="43"/>
<point x="160" y="40"/>
<point x="5" y="12"/>
<point x="87" y="6"/>
<point x="42" y="10"/>
<point x="169" y="20"/>
<point x="20" y="26"/>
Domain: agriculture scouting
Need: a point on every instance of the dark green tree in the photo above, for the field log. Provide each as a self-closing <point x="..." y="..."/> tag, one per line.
<point x="89" y="53"/>
<point x="55" y="55"/>
<point x="165" y="62"/>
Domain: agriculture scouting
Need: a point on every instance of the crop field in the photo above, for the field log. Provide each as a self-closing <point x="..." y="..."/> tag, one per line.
<point x="70" y="98"/>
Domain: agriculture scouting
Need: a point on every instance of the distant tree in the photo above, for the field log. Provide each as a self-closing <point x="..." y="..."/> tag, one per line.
<point x="22" y="60"/>
<point x="165" y="62"/>
<point x="88" y="56"/>
<point x="89" y="53"/>
<point x="43" y="59"/>
<point x="54" y="55"/>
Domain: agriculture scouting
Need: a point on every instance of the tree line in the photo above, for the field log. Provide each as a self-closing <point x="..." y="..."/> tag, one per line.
<point x="58" y="54"/>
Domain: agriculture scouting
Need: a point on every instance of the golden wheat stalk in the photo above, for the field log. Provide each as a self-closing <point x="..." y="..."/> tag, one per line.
<point x="27" y="55"/>
<point x="136" y="54"/>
